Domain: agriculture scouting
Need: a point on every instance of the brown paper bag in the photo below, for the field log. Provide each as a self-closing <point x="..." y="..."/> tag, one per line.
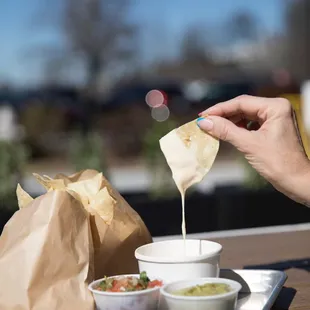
<point x="117" y="233"/>
<point x="51" y="248"/>
<point x="46" y="256"/>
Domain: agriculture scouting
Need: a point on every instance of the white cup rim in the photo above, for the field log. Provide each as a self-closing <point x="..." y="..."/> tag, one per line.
<point x="180" y="260"/>
<point x="236" y="287"/>
<point x="118" y="294"/>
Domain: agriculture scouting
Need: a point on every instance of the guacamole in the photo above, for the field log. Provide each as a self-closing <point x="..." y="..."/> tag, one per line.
<point x="208" y="289"/>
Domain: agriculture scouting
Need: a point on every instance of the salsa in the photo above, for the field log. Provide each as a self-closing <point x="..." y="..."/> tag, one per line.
<point x="208" y="289"/>
<point x="123" y="284"/>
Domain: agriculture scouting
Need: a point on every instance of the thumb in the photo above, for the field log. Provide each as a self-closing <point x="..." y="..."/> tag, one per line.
<point x="224" y="129"/>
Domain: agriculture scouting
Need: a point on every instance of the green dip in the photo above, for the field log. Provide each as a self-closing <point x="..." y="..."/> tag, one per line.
<point x="208" y="289"/>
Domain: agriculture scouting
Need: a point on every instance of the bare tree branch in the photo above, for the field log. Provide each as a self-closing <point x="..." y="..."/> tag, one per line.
<point x="95" y="31"/>
<point x="243" y="26"/>
<point x="98" y="29"/>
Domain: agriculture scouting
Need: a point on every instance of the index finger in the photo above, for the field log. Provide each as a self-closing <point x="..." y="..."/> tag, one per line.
<point x="249" y="107"/>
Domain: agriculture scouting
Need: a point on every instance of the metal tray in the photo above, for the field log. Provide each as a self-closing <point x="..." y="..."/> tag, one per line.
<point x="260" y="288"/>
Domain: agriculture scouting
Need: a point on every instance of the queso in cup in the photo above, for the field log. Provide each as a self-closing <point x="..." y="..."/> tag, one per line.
<point x="176" y="260"/>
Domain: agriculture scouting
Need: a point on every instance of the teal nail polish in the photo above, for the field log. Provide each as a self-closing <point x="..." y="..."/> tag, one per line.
<point x="200" y="119"/>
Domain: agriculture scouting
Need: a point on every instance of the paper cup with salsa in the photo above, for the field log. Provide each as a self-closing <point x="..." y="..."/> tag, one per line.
<point x="126" y="292"/>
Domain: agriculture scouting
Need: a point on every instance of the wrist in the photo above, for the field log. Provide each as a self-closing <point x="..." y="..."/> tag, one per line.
<point x="298" y="185"/>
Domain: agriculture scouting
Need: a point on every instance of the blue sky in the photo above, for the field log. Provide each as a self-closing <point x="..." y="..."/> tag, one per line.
<point x="163" y="23"/>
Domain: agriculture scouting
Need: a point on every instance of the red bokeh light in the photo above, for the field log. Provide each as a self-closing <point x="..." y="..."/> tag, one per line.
<point x="155" y="98"/>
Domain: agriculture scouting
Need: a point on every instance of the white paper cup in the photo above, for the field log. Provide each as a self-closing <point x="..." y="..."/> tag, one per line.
<point x="140" y="300"/>
<point x="173" y="260"/>
<point x="225" y="301"/>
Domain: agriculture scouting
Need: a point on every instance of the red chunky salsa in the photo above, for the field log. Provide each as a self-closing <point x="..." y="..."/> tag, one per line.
<point x="122" y="284"/>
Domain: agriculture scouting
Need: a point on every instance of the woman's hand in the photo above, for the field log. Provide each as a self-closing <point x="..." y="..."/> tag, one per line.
<point x="273" y="149"/>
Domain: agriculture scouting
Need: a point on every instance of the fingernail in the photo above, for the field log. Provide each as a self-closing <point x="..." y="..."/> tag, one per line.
<point x="205" y="124"/>
<point x="203" y="113"/>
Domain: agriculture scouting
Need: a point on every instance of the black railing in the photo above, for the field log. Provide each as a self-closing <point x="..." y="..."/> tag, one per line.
<point x="227" y="208"/>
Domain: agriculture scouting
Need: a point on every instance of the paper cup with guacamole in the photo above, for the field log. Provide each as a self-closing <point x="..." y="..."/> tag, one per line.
<point x="200" y="294"/>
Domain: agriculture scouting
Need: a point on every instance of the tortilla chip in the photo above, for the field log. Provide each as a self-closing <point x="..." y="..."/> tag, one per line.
<point x="64" y="178"/>
<point x="81" y="175"/>
<point x="190" y="153"/>
<point x="50" y="184"/>
<point x="104" y="205"/>
<point x="206" y="146"/>
<point x="84" y="191"/>
<point x="88" y="192"/>
<point x="23" y="198"/>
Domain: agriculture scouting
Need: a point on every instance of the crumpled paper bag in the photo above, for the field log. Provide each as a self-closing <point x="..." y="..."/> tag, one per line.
<point x="106" y="247"/>
<point x="46" y="256"/>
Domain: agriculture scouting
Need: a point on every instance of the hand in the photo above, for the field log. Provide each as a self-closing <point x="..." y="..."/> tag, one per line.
<point x="273" y="149"/>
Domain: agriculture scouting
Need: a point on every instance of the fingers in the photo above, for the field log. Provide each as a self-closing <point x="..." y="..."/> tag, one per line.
<point x="237" y="119"/>
<point x="225" y="130"/>
<point x="243" y="123"/>
<point x="246" y="107"/>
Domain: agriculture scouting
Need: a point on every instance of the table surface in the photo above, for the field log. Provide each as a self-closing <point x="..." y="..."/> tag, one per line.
<point x="239" y="252"/>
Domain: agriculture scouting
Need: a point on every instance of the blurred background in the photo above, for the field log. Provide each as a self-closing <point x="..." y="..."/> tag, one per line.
<point x="96" y="83"/>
